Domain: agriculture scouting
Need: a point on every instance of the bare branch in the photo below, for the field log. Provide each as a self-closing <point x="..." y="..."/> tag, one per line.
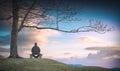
<point x="71" y="31"/>
<point x="67" y="17"/>
<point x="6" y="18"/>
<point x="61" y="15"/>
<point x="99" y="27"/>
<point x="26" y="15"/>
<point x="42" y="15"/>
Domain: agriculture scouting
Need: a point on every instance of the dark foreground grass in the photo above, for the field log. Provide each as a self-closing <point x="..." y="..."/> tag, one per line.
<point x="41" y="65"/>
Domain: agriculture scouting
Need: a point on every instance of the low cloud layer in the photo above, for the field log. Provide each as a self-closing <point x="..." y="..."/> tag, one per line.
<point x="109" y="54"/>
<point x="4" y="49"/>
<point x="108" y="57"/>
<point x="105" y="52"/>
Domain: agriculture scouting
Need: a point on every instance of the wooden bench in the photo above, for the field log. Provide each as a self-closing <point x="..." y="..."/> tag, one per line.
<point x="36" y="55"/>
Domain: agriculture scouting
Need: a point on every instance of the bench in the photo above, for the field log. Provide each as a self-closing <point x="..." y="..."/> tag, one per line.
<point x="36" y="55"/>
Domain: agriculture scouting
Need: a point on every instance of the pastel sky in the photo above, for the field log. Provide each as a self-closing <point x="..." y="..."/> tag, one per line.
<point x="85" y="48"/>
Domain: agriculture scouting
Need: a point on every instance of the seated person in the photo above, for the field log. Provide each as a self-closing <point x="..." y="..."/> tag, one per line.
<point x="36" y="51"/>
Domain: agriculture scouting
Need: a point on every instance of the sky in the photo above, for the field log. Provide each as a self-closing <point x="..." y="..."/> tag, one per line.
<point x="90" y="48"/>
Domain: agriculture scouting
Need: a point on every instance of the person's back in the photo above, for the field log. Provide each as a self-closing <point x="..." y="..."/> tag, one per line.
<point x="35" y="49"/>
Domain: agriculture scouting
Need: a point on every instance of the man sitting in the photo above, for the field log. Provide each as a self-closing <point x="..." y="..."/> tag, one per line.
<point x="35" y="52"/>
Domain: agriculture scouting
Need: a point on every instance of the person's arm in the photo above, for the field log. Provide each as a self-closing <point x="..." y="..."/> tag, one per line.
<point x="32" y="49"/>
<point x="38" y="49"/>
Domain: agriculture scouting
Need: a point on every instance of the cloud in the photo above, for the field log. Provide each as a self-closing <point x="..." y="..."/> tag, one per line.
<point x="39" y="36"/>
<point x="92" y="41"/>
<point x="4" y="49"/>
<point x="99" y="40"/>
<point x="84" y="61"/>
<point x="104" y="57"/>
<point x="105" y="52"/>
<point x="30" y="36"/>
<point x="67" y="53"/>
<point x="88" y="40"/>
<point x="110" y="55"/>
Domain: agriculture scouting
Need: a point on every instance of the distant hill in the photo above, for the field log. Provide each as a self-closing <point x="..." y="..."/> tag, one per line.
<point x="41" y="65"/>
<point x="76" y="65"/>
<point x="115" y="69"/>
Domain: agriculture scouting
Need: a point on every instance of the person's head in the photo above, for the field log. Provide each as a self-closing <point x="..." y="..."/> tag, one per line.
<point x="35" y="44"/>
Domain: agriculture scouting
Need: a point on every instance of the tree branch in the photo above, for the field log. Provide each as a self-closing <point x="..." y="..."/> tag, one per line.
<point x="67" y="17"/>
<point x="26" y="15"/>
<point x="71" y="31"/>
<point x="42" y="15"/>
<point x="99" y="28"/>
<point x="6" y="18"/>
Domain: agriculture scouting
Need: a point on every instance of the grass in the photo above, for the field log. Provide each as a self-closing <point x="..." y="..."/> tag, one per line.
<point x="41" y="65"/>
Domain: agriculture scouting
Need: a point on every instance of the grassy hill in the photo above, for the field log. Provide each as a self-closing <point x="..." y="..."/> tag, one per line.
<point x="41" y="65"/>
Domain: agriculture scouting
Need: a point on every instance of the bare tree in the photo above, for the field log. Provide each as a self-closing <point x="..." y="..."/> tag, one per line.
<point x="15" y="25"/>
<point x="32" y="14"/>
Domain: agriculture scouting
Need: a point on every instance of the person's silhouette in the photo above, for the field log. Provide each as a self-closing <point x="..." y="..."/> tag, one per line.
<point x="35" y="51"/>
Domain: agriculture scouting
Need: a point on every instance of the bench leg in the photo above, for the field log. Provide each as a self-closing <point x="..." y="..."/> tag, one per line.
<point x="31" y="56"/>
<point x="40" y="56"/>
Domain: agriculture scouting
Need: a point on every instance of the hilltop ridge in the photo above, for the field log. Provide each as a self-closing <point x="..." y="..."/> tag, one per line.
<point x="41" y="65"/>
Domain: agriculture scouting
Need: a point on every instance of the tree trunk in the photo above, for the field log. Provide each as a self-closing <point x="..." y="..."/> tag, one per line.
<point x="14" y="32"/>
